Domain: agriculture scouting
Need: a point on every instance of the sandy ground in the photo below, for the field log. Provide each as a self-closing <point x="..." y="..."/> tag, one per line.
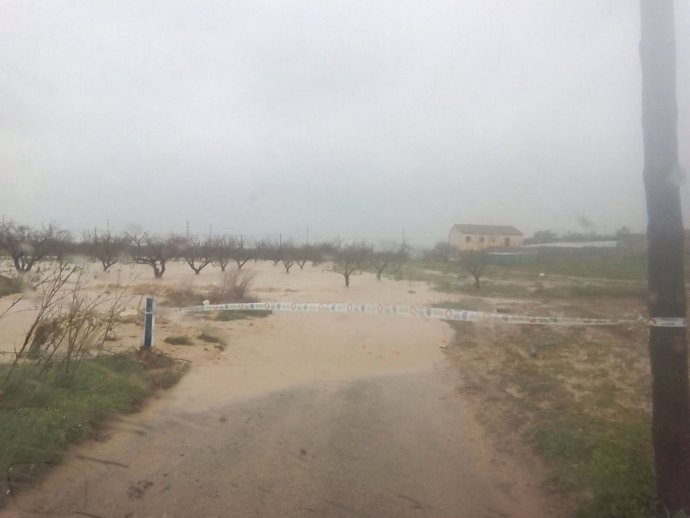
<point x="301" y="415"/>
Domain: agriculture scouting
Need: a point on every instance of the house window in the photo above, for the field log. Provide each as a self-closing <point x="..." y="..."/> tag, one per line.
<point x="481" y="239"/>
<point x="468" y="239"/>
<point x="506" y="242"/>
<point x="493" y="239"/>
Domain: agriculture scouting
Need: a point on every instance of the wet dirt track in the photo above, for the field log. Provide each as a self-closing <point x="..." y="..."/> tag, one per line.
<point x="301" y="416"/>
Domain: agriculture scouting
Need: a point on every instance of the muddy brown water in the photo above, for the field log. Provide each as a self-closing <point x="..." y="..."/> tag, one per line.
<point x="302" y="415"/>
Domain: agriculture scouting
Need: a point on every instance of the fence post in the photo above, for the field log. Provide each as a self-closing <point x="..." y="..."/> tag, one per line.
<point x="149" y="321"/>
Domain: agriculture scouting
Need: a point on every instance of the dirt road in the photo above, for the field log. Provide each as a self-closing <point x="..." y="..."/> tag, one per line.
<point x="301" y="416"/>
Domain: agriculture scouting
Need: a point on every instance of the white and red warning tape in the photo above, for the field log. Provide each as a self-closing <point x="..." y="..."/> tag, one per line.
<point x="429" y="312"/>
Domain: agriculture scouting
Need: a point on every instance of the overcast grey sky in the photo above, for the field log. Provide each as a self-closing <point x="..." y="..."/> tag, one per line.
<point x="357" y="119"/>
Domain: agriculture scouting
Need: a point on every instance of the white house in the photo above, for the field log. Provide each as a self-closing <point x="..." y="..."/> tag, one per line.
<point x="481" y="237"/>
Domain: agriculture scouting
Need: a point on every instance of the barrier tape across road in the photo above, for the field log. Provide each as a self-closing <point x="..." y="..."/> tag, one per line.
<point x="429" y="312"/>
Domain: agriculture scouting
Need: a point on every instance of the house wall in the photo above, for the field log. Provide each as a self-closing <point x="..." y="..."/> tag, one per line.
<point x="481" y="242"/>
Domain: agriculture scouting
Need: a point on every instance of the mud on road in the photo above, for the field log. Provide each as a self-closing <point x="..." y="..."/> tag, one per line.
<point x="305" y="416"/>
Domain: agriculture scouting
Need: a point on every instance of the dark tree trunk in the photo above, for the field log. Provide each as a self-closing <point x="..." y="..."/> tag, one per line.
<point x="158" y="271"/>
<point x="667" y="345"/>
<point x="107" y="262"/>
<point x="22" y="264"/>
<point x="347" y="279"/>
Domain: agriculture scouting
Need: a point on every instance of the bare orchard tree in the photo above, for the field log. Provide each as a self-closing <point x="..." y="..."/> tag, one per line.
<point x="442" y="251"/>
<point x="302" y="255"/>
<point x="276" y="253"/>
<point x="152" y="251"/>
<point x="27" y="245"/>
<point x="196" y="253"/>
<point x="474" y="263"/>
<point x="288" y="262"/>
<point x="388" y="258"/>
<point x="263" y="250"/>
<point x="240" y="252"/>
<point x="350" y="259"/>
<point x="106" y="248"/>
<point x="221" y="251"/>
<point x="288" y="253"/>
<point x="228" y="248"/>
<point x="322" y="252"/>
<point x="400" y="258"/>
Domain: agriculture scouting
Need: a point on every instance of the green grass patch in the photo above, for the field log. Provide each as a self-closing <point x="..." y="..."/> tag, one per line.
<point x="416" y="272"/>
<point x="581" y="402"/>
<point x="178" y="340"/>
<point x="465" y="334"/>
<point x="206" y="336"/>
<point x="608" y="463"/>
<point x="243" y="314"/>
<point x="513" y="290"/>
<point x="9" y="285"/>
<point x="620" y="268"/>
<point x="181" y="297"/>
<point x="595" y="266"/>
<point x="443" y="267"/>
<point x="486" y="289"/>
<point x="604" y="461"/>
<point x="593" y="290"/>
<point x="41" y="415"/>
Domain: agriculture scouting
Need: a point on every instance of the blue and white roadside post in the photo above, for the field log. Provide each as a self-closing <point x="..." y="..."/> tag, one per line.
<point x="149" y="319"/>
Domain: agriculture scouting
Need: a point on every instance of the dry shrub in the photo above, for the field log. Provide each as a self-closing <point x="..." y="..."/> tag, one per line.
<point x="10" y="285"/>
<point x="154" y="359"/>
<point x="183" y="295"/>
<point x="234" y="287"/>
<point x="148" y="289"/>
<point x="70" y="323"/>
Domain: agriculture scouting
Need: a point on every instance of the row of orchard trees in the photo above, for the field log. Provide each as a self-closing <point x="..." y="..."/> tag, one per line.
<point x="26" y="246"/>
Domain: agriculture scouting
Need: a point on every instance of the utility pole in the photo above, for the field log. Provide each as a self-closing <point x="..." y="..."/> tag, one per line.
<point x="403" y="237"/>
<point x="280" y="240"/>
<point x="666" y="240"/>
<point x="210" y="231"/>
<point x="187" y="229"/>
<point x="307" y="234"/>
<point x="107" y="226"/>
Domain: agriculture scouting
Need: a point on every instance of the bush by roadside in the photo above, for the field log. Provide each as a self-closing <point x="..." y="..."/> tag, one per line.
<point x="579" y="397"/>
<point x="9" y="285"/>
<point x="43" y="412"/>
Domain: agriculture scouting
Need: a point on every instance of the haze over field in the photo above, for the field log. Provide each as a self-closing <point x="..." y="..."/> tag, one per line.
<point x="357" y="119"/>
